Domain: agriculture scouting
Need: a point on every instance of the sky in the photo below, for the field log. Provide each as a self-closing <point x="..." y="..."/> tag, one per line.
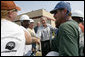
<point x="27" y="6"/>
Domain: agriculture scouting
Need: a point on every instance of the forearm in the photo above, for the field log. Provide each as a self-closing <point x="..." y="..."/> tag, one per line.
<point x="35" y="40"/>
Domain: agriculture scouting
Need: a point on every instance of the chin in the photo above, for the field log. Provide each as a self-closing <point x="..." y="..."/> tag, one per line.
<point x="57" y="25"/>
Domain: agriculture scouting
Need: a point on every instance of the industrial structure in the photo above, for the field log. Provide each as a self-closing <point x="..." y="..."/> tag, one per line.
<point x="37" y="14"/>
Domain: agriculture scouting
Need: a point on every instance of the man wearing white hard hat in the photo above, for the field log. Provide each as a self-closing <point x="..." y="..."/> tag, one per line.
<point x="78" y="16"/>
<point x="32" y="32"/>
<point x="25" y="21"/>
<point x="31" y="26"/>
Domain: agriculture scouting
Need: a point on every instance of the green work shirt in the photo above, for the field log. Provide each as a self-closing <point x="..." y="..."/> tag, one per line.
<point x="66" y="41"/>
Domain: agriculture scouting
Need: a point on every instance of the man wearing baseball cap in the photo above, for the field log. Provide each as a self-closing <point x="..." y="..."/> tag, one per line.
<point x="66" y="41"/>
<point x="13" y="37"/>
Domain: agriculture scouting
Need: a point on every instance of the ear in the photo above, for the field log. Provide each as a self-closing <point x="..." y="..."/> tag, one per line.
<point x="65" y="11"/>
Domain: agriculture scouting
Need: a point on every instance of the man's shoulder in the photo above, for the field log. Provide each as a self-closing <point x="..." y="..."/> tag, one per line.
<point x="29" y="29"/>
<point x="16" y="27"/>
<point x="69" y="25"/>
<point x="11" y="25"/>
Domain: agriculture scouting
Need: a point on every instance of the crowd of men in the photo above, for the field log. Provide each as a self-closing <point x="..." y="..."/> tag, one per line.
<point x="26" y="40"/>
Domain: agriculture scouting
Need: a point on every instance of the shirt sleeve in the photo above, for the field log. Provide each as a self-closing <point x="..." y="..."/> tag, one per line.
<point x="52" y="28"/>
<point x="38" y="34"/>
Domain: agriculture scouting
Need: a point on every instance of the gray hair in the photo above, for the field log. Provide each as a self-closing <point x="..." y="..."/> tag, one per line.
<point x="43" y="18"/>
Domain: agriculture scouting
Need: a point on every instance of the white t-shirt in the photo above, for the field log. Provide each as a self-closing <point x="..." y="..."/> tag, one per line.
<point x="12" y="39"/>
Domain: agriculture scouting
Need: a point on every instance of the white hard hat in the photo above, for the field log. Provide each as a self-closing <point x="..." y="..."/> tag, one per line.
<point x="24" y="17"/>
<point x="53" y="53"/>
<point x="31" y="20"/>
<point x="77" y="13"/>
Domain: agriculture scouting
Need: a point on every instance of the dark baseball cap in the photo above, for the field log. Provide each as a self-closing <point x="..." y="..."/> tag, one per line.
<point x="60" y="5"/>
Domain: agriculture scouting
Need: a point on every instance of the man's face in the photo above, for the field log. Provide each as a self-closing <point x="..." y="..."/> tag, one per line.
<point x="31" y="25"/>
<point x="58" y="15"/>
<point x="25" y="23"/>
<point x="43" y="21"/>
<point x="38" y="24"/>
<point x="78" y="19"/>
<point x="12" y="15"/>
<point x="15" y="15"/>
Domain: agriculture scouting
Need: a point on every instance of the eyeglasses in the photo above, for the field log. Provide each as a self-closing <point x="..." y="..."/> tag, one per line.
<point x="15" y="10"/>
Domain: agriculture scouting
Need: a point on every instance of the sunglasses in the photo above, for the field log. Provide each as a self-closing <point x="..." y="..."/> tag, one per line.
<point x="55" y="12"/>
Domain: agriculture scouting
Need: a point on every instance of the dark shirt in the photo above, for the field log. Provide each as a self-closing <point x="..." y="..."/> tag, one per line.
<point x="35" y="29"/>
<point x="66" y="41"/>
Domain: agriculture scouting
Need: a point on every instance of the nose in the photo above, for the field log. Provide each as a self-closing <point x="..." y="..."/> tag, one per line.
<point x="54" y="16"/>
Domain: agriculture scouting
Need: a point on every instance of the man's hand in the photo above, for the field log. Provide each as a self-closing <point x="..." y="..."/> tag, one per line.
<point x="35" y="40"/>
